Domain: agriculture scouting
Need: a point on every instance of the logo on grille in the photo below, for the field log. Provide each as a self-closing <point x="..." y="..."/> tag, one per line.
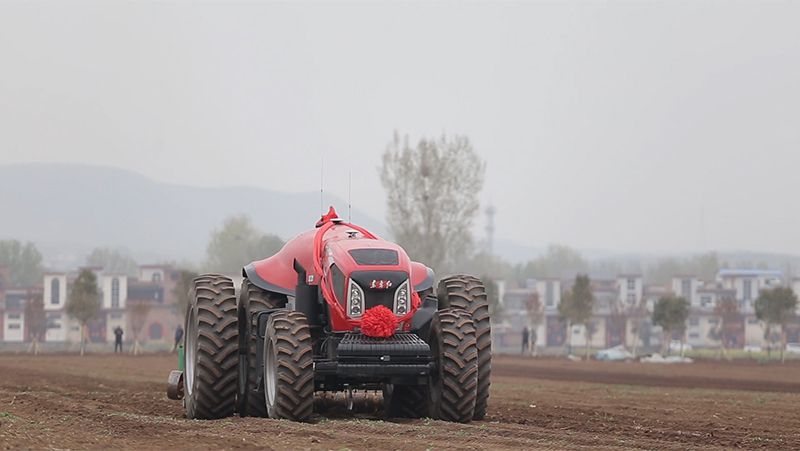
<point x="380" y="284"/>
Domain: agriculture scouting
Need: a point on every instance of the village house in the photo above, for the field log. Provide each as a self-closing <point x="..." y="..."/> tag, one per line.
<point x="154" y="287"/>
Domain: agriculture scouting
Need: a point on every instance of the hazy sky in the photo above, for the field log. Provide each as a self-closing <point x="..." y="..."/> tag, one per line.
<point x="633" y="126"/>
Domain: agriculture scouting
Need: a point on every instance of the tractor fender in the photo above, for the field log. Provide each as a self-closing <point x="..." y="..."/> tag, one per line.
<point x="277" y="273"/>
<point x="251" y="274"/>
<point x="422" y="277"/>
<point x="421" y="321"/>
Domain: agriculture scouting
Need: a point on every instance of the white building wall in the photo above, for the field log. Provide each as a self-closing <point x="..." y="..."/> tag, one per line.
<point x="747" y="289"/>
<point x="698" y="330"/>
<point x="57" y="326"/>
<point x="106" y="283"/>
<point x="151" y="274"/>
<point x="707" y="300"/>
<point x="693" y="285"/>
<point x="114" y="319"/>
<point x="754" y="331"/>
<point x="55" y="301"/>
<point x="796" y="288"/>
<point x="549" y="293"/>
<point x="13" y="327"/>
<point x="598" y="338"/>
<point x="631" y="290"/>
<point x="72" y="329"/>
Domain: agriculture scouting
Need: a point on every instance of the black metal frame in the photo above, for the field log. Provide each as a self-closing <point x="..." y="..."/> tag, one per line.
<point x="362" y="362"/>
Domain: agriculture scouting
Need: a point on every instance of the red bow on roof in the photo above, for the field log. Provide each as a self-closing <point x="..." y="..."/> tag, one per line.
<point x="328" y="217"/>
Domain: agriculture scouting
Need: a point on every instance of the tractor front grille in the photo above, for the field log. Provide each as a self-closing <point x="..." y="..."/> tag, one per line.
<point x="375" y="298"/>
<point x="379" y="296"/>
<point x="399" y="346"/>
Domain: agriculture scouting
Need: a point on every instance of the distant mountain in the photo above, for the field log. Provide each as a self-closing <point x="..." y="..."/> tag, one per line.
<point x="69" y="209"/>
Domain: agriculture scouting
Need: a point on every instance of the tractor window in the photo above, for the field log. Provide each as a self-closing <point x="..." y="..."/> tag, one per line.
<point x="374" y="257"/>
<point x="338" y="283"/>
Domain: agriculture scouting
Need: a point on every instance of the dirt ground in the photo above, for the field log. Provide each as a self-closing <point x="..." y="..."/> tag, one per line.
<point x="106" y="401"/>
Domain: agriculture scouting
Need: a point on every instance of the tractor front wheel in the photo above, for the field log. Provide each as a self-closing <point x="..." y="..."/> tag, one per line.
<point x="211" y="348"/>
<point x="288" y="367"/>
<point x="469" y="293"/>
<point x="453" y="384"/>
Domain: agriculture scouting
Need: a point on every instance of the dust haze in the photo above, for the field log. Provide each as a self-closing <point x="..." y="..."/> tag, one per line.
<point x="652" y="127"/>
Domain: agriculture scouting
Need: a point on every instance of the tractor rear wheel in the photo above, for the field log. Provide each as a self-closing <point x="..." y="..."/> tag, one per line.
<point x="288" y="367"/>
<point x="252" y="300"/>
<point x="211" y="348"/>
<point x="454" y="382"/>
<point x="469" y="293"/>
<point x="406" y="401"/>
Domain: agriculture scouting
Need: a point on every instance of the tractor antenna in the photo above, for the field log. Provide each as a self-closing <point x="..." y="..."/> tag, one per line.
<point x="349" y="194"/>
<point x="321" y="175"/>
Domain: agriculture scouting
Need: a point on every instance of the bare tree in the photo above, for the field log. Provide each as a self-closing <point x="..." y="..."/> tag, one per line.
<point x="84" y="302"/>
<point x="138" y="310"/>
<point x="576" y="307"/>
<point x="238" y="243"/>
<point x="533" y="309"/>
<point x="670" y="313"/>
<point x="432" y="192"/>
<point x="36" y="320"/>
<point x="181" y="290"/>
<point x="637" y="315"/>
<point x="590" y="328"/>
<point x="727" y="313"/>
<point x="24" y="262"/>
<point x="775" y="307"/>
<point x="113" y="260"/>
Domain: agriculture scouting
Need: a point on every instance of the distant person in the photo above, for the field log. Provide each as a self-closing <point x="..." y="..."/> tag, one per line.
<point x="526" y="335"/>
<point x="533" y="339"/>
<point x="178" y="337"/>
<point x="118" y="339"/>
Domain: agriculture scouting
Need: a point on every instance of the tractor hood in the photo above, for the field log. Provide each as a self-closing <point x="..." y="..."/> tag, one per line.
<point x="347" y="248"/>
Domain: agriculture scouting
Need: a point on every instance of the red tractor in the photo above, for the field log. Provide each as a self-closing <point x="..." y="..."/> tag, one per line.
<point x="337" y="309"/>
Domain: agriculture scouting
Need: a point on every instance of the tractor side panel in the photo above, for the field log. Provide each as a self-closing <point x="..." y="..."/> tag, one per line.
<point x="277" y="273"/>
<point x="421" y="277"/>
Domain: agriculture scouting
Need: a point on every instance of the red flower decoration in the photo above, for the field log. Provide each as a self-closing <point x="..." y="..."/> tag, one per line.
<point x="378" y="321"/>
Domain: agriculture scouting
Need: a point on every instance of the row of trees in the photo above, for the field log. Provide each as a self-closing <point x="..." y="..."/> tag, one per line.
<point x="775" y="308"/>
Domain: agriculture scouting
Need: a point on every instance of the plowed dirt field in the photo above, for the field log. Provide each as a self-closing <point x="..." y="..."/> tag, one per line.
<point x="107" y="401"/>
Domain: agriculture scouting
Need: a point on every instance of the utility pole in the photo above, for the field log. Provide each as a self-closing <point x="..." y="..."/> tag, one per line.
<point x="490" y="212"/>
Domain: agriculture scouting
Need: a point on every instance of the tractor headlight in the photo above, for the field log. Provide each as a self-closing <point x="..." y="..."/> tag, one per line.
<point x="401" y="299"/>
<point x="355" y="300"/>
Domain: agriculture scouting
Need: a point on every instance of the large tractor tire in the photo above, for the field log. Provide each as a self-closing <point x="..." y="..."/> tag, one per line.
<point x="406" y="401"/>
<point x="453" y="386"/>
<point x="288" y="367"/>
<point x="211" y="348"/>
<point x="469" y="293"/>
<point x="252" y="299"/>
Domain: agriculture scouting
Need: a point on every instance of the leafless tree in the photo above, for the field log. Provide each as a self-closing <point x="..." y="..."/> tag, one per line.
<point x="432" y="192"/>
<point x="36" y="320"/>
<point x="637" y="314"/>
<point x="533" y="309"/>
<point x="138" y="310"/>
<point x="84" y="302"/>
<point x="727" y="313"/>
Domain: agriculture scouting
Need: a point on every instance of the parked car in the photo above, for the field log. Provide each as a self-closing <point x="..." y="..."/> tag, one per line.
<point x="793" y="348"/>
<point x="675" y="346"/>
<point x="658" y="358"/>
<point x="752" y="348"/>
<point x="614" y="354"/>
